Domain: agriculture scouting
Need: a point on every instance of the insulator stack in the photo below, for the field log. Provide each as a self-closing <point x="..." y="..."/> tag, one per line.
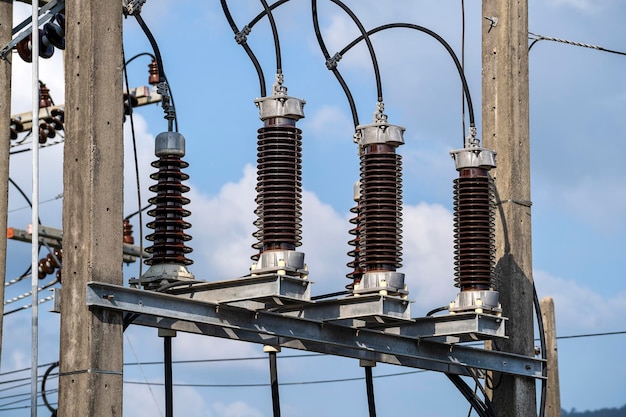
<point x="50" y="125"/>
<point x="169" y="237"/>
<point x="474" y="238"/>
<point x="357" y="272"/>
<point x="168" y="262"/>
<point x="44" y="96"/>
<point x="49" y="263"/>
<point x="127" y="236"/>
<point x="52" y="35"/>
<point x="379" y="218"/>
<point x="474" y="244"/>
<point x="16" y="127"/>
<point x="279" y="185"/>
<point x="153" y="71"/>
<point x="46" y="131"/>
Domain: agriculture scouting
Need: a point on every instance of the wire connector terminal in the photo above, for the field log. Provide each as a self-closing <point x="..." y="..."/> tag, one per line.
<point x="132" y="7"/>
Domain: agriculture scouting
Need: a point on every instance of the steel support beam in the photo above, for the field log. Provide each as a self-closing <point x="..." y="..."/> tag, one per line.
<point x="188" y="315"/>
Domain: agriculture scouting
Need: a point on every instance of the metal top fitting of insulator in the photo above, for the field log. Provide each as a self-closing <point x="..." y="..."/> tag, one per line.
<point x="169" y="143"/>
<point x="472" y="155"/>
<point x="279" y="104"/>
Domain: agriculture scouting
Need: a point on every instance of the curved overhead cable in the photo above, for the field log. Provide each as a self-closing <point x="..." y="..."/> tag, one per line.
<point x="331" y="65"/>
<point x="240" y="38"/>
<point x="370" y="47"/>
<point x="459" y="67"/>
<point x="159" y="62"/>
<point x="270" y="17"/>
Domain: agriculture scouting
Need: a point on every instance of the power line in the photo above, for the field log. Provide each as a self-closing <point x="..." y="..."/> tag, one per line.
<point x="536" y="38"/>
<point x="252" y="358"/>
<point x="325" y="381"/>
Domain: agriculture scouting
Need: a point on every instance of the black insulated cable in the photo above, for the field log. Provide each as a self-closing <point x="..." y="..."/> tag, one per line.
<point x="169" y="387"/>
<point x="270" y="17"/>
<point x="274" y="384"/>
<point x="470" y="107"/>
<point x="43" y="388"/>
<point x="333" y="67"/>
<point x="159" y="62"/>
<point x="135" y="156"/>
<point x="470" y="396"/>
<point x="240" y="38"/>
<point x="369" y="384"/>
<point x="544" y="355"/>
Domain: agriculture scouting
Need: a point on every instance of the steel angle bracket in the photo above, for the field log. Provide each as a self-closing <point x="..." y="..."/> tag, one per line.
<point x="372" y="309"/>
<point x="454" y="328"/>
<point x="266" y="290"/>
<point x="235" y="323"/>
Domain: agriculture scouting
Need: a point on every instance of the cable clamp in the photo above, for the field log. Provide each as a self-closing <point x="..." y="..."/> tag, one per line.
<point x="493" y="22"/>
<point x="525" y="203"/>
<point x="132" y="7"/>
<point x="91" y="371"/>
<point x="331" y="63"/>
<point x="242" y="36"/>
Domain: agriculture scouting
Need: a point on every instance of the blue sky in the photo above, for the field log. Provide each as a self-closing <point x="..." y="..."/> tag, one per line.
<point x="577" y="100"/>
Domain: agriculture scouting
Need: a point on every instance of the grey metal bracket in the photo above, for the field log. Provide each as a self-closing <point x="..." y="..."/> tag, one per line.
<point x="374" y="309"/>
<point x="454" y="328"/>
<point x="46" y="13"/>
<point x="189" y="315"/>
<point x="265" y="290"/>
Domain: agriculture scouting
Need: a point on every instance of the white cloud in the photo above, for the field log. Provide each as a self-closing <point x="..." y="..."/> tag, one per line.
<point x="582" y="5"/>
<point x="593" y="195"/>
<point x="579" y="308"/>
<point x="327" y="122"/>
<point x="428" y="256"/>
<point x="236" y="409"/>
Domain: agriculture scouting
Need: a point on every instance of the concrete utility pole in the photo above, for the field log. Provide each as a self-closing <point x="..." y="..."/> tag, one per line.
<point x="506" y="129"/>
<point x="6" y="25"/>
<point x="553" y="390"/>
<point x="90" y="378"/>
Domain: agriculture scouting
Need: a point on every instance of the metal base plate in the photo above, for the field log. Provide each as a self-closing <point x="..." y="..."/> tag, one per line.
<point x="256" y="292"/>
<point x="454" y="328"/>
<point x="369" y="309"/>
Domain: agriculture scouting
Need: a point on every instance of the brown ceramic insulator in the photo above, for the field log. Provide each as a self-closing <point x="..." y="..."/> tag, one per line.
<point x="46" y="131"/>
<point x="169" y="225"/>
<point x="279" y="188"/>
<point x="44" y="96"/>
<point x="48" y="264"/>
<point x="357" y="273"/>
<point x="127" y="237"/>
<point x="15" y="127"/>
<point x="381" y="213"/>
<point x="56" y="119"/>
<point x="474" y="242"/>
<point x="153" y="70"/>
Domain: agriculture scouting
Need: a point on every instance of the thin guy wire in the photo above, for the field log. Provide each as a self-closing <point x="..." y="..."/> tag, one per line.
<point x="144" y="375"/>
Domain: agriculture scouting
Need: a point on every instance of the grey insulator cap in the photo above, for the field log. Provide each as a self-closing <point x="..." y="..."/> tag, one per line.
<point x="169" y="143"/>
